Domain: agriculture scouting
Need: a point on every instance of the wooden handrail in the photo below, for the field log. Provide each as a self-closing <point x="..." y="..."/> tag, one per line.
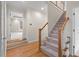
<point x="60" y="36"/>
<point x="40" y="35"/>
<point x="44" y="26"/>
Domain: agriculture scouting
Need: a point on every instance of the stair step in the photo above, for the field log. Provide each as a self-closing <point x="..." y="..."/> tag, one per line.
<point x="54" y="31"/>
<point x="52" y="39"/>
<point x="58" y="25"/>
<point x="49" y="51"/>
<point x="54" y="36"/>
<point x="55" y="28"/>
<point x="61" y="20"/>
<point x="51" y="46"/>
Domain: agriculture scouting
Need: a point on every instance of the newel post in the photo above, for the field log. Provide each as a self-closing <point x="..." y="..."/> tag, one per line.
<point x="39" y="39"/>
<point x="59" y="43"/>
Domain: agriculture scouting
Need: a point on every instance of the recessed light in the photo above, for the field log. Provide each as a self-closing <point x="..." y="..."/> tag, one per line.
<point x="42" y="8"/>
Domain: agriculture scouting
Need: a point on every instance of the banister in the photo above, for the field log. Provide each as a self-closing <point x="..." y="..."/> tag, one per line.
<point x="44" y="26"/>
<point x="59" y="37"/>
<point x="59" y="44"/>
<point x="39" y="39"/>
<point x="40" y="35"/>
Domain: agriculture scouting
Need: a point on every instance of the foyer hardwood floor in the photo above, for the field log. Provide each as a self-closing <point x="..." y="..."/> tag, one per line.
<point x="27" y="50"/>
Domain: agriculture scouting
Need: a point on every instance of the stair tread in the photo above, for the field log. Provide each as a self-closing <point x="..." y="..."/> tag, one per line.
<point x="54" y="31"/>
<point x="50" y="51"/>
<point x="53" y="34"/>
<point x="52" y="44"/>
<point x="52" y="38"/>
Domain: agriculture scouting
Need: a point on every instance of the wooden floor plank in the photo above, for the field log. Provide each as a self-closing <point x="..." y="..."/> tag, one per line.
<point x="27" y="50"/>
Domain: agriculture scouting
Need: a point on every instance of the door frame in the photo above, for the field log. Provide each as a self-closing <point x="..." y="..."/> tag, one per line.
<point x="3" y="29"/>
<point x="73" y="31"/>
<point x="73" y="28"/>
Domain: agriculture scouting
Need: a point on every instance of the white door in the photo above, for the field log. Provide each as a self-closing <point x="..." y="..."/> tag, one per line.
<point x="76" y="36"/>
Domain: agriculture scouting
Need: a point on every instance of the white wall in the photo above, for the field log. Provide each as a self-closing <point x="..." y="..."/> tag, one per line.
<point x="31" y="16"/>
<point x="70" y="6"/>
<point x="76" y="21"/>
<point x="0" y="28"/>
<point x="35" y="18"/>
<point x="53" y="15"/>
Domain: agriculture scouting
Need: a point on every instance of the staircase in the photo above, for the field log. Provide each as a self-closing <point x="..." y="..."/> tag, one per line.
<point x="52" y="45"/>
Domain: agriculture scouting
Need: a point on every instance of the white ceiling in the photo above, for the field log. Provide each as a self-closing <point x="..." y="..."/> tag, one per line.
<point x="24" y="5"/>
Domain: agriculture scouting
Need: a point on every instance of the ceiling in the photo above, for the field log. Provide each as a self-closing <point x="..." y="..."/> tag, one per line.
<point x="24" y="5"/>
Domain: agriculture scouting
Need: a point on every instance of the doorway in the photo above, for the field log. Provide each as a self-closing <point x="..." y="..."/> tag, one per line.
<point x="16" y="32"/>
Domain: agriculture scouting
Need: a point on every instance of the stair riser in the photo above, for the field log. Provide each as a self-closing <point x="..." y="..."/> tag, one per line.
<point x="56" y="28"/>
<point x="58" y="25"/>
<point x="53" y="41"/>
<point x="51" y="54"/>
<point x="55" y="32"/>
<point x="54" y="36"/>
<point x="52" y="47"/>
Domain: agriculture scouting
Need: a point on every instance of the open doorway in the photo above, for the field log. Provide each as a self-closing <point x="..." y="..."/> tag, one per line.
<point x="16" y="32"/>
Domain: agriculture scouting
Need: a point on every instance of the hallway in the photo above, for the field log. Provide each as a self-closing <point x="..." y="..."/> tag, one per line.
<point x="27" y="50"/>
